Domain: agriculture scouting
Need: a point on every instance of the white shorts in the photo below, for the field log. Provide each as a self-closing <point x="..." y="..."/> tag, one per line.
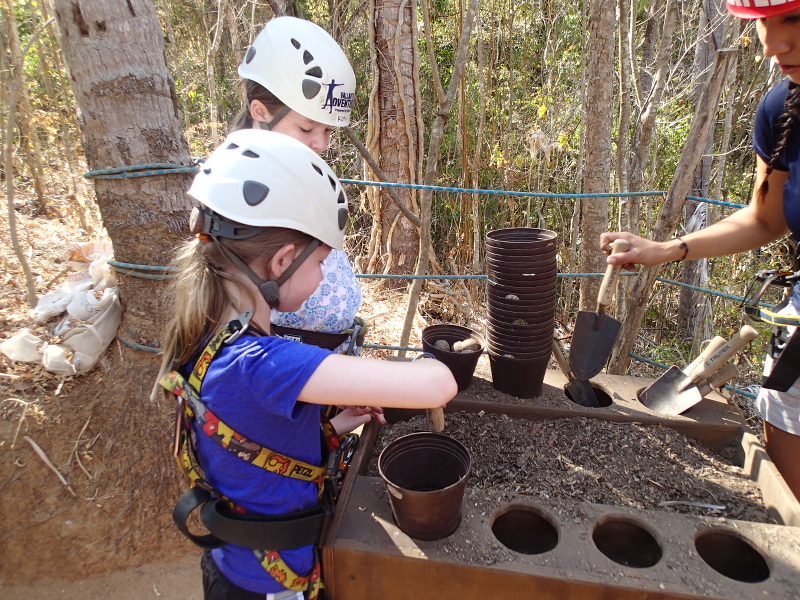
<point x="782" y="409"/>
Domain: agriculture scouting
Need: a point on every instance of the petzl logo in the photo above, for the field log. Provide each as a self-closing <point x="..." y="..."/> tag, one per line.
<point x="343" y="102"/>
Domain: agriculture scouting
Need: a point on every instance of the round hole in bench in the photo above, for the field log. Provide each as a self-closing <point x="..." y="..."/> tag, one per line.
<point x="730" y="554"/>
<point x="626" y="542"/>
<point x="525" y="529"/>
<point x="603" y="399"/>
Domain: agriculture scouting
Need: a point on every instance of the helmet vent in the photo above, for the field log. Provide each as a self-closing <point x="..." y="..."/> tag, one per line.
<point x="250" y="154"/>
<point x="332" y="181"/>
<point x="296" y="44"/>
<point x="310" y="88"/>
<point x="207" y="170"/>
<point x="316" y="168"/>
<point x="314" y="72"/>
<point x="307" y="57"/>
<point x="254" y="192"/>
<point x="232" y="146"/>
<point x="342" y="218"/>
<point x="341" y="199"/>
<point x="251" y="54"/>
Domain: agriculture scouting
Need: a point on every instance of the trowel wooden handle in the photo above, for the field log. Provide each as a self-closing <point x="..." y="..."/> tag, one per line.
<point x="713" y="345"/>
<point x="724" y="375"/>
<point x="609" y="283"/>
<point x="561" y="358"/>
<point x="717" y="360"/>
<point x="728" y="371"/>
<point x="436" y="419"/>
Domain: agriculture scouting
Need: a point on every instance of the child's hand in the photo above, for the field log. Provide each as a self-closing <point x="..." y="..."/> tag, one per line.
<point x="354" y="416"/>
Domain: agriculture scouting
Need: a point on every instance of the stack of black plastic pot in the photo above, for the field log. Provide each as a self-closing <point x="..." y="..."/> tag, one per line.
<point x="522" y="276"/>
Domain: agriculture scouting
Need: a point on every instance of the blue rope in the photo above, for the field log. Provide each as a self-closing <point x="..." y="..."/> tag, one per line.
<point x="416" y="186"/>
<point x="717" y="202"/>
<point x="145" y="170"/>
<point x="711" y="292"/>
<point x="134" y="270"/>
<point x="136" y="346"/>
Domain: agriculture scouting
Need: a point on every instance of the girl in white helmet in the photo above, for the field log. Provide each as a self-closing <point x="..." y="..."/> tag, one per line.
<point x="299" y="82"/>
<point x="270" y="210"/>
<point x="773" y="212"/>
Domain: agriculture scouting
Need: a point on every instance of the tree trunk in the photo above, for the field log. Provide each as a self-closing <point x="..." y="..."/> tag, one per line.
<point x="670" y="211"/>
<point x="395" y="132"/>
<point x="114" y="53"/>
<point x="597" y="172"/>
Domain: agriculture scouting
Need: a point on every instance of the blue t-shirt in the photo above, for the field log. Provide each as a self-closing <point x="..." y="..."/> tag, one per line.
<point x="252" y="386"/>
<point x="765" y="137"/>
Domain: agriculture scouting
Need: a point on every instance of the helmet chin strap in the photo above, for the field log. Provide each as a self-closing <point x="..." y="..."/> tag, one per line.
<point x="281" y="113"/>
<point x="269" y="289"/>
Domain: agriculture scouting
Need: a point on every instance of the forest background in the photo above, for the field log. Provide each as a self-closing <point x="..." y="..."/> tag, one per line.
<point x="550" y="97"/>
<point x="553" y="97"/>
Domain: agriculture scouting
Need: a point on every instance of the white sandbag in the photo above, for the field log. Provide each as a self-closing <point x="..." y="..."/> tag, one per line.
<point x="23" y="346"/>
<point x="54" y="303"/>
<point x="86" y="305"/>
<point x="59" y="359"/>
<point x="90" y="339"/>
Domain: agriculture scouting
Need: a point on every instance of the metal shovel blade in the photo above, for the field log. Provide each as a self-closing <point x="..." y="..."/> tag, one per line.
<point x="672" y="394"/>
<point x="581" y="392"/>
<point x="592" y="342"/>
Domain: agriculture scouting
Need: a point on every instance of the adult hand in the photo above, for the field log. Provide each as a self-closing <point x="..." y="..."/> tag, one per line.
<point x="641" y="252"/>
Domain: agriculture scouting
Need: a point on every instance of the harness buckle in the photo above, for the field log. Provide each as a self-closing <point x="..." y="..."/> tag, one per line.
<point x="768" y="277"/>
<point x="239" y="325"/>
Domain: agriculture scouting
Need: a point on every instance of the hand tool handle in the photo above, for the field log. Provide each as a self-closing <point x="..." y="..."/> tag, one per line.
<point x="561" y="358"/>
<point x="436" y="419"/>
<point x="716" y="361"/>
<point x="713" y="345"/>
<point x="609" y="283"/>
<point x="724" y="375"/>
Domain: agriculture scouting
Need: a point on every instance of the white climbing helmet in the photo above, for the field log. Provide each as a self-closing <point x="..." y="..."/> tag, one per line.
<point x="260" y="178"/>
<point x="304" y="67"/>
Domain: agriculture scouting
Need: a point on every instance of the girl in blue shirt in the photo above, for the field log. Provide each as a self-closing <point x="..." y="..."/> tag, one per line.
<point x="773" y="212"/>
<point x="270" y="211"/>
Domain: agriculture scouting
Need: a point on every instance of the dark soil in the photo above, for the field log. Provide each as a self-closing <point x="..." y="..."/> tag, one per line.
<point x="587" y="460"/>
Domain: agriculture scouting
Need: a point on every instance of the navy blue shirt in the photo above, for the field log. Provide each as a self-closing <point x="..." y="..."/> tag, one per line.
<point x="765" y="138"/>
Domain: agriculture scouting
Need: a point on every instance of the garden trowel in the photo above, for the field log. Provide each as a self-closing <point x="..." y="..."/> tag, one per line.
<point x="675" y="392"/>
<point x="579" y="391"/>
<point x="595" y="332"/>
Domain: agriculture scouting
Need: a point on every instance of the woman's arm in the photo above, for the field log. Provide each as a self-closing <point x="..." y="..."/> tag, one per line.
<point x="746" y="229"/>
<point x="353" y="381"/>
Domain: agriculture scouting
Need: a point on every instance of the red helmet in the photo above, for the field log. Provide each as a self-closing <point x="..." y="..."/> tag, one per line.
<point x="759" y="9"/>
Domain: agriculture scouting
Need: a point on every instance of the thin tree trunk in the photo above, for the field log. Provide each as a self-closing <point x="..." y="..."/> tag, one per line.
<point x="432" y="167"/>
<point x="670" y="211"/>
<point x="597" y="174"/>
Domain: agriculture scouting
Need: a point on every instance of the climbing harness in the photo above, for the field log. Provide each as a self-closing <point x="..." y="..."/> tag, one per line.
<point x="354" y="336"/>
<point x="782" y="278"/>
<point x="784" y="346"/>
<point x="228" y="522"/>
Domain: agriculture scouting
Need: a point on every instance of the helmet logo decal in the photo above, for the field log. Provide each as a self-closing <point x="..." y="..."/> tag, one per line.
<point x="254" y="192"/>
<point x="342" y="218"/>
<point x="342" y="103"/>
